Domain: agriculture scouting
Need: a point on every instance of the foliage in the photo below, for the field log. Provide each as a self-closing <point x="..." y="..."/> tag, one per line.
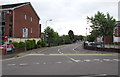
<point x="78" y="37"/>
<point x="41" y="43"/>
<point x="28" y="44"/>
<point x="71" y="35"/>
<point x="65" y="39"/>
<point x="21" y="44"/>
<point x="90" y="38"/>
<point x="102" y="24"/>
<point x="49" y="32"/>
<point x="51" y="37"/>
<point x="16" y="44"/>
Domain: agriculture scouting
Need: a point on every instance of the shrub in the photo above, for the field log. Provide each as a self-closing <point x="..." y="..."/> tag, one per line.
<point x="21" y="44"/>
<point x="16" y="44"/>
<point x="35" y="45"/>
<point x="32" y="44"/>
<point x="28" y="45"/>
<point x="39" y="44"/>
<point x="43" y="44"/>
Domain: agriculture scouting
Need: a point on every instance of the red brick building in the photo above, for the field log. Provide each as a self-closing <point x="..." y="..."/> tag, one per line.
<point x="117" y="33"/>
<point x="19" y="21"/>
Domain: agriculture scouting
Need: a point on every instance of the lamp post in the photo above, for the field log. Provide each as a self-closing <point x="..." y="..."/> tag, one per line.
<point x="47" y="21"/>
<point x="46" y="35"/>
<point x="86" y="33"/>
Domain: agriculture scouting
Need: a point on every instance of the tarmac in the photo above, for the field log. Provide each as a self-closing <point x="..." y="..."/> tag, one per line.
<point x="35" y="51"/>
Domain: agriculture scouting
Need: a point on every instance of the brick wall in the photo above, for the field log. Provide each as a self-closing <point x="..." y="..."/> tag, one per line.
<point x="108" y="39"/>
<point x="31" y="21"/>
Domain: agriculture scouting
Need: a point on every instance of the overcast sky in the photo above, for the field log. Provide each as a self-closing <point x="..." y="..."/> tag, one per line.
<point x="69" y="14"/>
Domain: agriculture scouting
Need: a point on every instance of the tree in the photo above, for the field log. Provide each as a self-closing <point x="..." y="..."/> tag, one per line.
<point x="65" y="39"/>
<point x="102" y="24"/>
<point x="56" y="38"/>
<point x="71" y="35"/>
<point x="51" y="36"/>
<point x="78" y="37"/>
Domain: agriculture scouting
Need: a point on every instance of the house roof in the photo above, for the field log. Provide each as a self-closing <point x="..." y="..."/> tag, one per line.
<point x="13" y="5"/>
<point x="118" y="23"/>
<point x="17" y="5"/>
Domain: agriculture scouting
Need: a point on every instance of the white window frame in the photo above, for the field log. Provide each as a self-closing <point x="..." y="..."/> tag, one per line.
<point x="31" y="30"/>
<point x="31" y="19"/>
<point x="25" y="17"/>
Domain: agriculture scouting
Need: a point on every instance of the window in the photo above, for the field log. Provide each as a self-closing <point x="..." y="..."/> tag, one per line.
<point x="25" y="17"/>
<point x="11" y="18"/>
<point x="31" y="19"/>
<point x="31" y="30"/>
<point x="0" y="14"/>
<point x="25" y="32"/>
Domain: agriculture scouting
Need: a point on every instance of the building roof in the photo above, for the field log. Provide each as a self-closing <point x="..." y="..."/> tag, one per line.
<point x="13" y="5"/>
<point x="117" y="23"/>
<point x="17" y="5"/>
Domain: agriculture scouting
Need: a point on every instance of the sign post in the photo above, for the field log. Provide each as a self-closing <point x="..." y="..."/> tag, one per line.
<point x="25" y="35"/>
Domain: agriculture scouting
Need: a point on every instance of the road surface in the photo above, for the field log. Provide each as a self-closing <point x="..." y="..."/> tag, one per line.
<point x="63" y="60"/>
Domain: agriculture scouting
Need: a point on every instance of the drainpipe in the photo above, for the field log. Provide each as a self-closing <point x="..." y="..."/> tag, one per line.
<point x="13" y="22"/>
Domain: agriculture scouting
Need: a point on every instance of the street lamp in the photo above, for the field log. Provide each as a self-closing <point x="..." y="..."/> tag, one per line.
<point x="47" y="21"/>
<point x="46" y="35"/>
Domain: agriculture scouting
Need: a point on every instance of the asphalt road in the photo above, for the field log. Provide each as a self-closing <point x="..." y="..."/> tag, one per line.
<point x="63" y="60"/>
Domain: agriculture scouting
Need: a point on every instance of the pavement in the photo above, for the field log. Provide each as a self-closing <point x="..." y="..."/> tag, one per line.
<point x="21" y="53"/>
<point x="112" y="46"/>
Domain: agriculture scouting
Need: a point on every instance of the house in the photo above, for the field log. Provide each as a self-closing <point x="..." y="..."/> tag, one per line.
<point x="19" y="22"/>
<point x="116" y="37"/>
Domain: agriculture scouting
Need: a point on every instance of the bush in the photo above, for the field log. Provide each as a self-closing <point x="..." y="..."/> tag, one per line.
<point x="28" y="45"/>
<point x="16" y="44"/>
<point x="32" y="44"/>
<point x="41" y="43"/>
<point x="35" y="45"/>
<point x="21" y="44"/>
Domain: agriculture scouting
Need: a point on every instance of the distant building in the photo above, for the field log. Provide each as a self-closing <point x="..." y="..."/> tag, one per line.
<point x="19" y="21"/>
<point x="116" y="36"/>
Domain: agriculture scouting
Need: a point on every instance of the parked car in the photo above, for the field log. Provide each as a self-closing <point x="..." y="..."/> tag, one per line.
<point x="7" y="47"/>
<point x="95" y="44"/>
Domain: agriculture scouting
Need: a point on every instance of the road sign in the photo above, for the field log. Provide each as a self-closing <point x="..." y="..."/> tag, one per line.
<point x="5" y="36"/>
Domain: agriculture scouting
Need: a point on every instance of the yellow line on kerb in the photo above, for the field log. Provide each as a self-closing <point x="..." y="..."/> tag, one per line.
<point x="20" y="57"/>
<point x="14" y="58"/>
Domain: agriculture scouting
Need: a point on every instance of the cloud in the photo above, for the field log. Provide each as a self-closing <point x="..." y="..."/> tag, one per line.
<point x="69" y="14"/>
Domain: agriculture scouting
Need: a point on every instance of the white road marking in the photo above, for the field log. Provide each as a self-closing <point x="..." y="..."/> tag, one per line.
<point x="11" y="64"/>
<point x="37" y="63"/>
<point x="74" y="60"/>
<point x="116" y="59"/>
<point x="58" y="49"/>
<point x="60" y="52"/>
<point x="23" y="64"/>
<point x="58" y="62"/>
<point x="96" y="59"/>
<point x="44" y="63"/>
<point x="87" y="60"/>
<point x="75" y="48"/>
<point x="106" y="59"/>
